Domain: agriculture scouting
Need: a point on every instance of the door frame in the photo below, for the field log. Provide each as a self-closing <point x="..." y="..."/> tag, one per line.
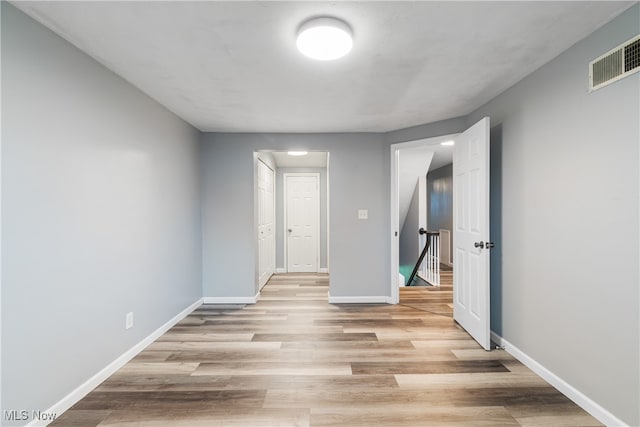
<point x="286" y="175"/>
<point x="273" y="206"/>
<point x="256" y="244"/>
<point x="394" y="231"/>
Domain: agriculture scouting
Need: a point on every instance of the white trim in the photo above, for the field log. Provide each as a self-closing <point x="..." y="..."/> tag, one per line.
<point x="395" y="225"/>
<point x="81" y="391"/>
<point x="256" y="219"/>
<point x="328" y="216"/>
<point x="231" y="300"/>
<point x="280" y="270"/>
<point x="579" y="398"/>
<point x="323" y="270"/>
<point x="360" y="300"/>
<point x="401" y="280"/>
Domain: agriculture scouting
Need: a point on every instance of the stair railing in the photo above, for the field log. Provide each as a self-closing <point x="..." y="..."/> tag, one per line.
<point x="431" y="252"/>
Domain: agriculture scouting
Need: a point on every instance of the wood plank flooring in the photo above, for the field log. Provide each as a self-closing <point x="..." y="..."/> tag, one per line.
<point x="433" y="299"/>
<point x="292" y="359"/>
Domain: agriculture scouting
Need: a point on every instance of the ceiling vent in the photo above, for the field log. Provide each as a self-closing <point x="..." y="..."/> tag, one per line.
<point x="616" y="64"/>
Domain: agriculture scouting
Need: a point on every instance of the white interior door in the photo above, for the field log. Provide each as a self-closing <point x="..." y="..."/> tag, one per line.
<point x="302" y="198"/>
<point x="471" y="228"/>
<point x="266" y="224"/>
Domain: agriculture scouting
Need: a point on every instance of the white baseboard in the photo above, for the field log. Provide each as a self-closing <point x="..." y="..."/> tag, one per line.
<point x="231" y="300"/>
<point x="360" y="300"/>
<point x="284" y="270"/>
<point x="72" y="398"/>
<point x="565" y="388"/>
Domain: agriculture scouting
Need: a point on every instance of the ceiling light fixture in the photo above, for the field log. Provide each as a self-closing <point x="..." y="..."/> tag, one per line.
<point x="297" y="153"/>
<point x="324" y="39"/>
<point x="448" y="143"/>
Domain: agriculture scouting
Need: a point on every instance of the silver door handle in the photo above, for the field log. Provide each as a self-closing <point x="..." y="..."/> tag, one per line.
<point x="289" y="230"/>
<point x="483" y="245"/>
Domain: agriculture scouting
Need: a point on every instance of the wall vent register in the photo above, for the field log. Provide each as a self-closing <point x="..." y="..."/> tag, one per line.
<point x="616" y="64"/>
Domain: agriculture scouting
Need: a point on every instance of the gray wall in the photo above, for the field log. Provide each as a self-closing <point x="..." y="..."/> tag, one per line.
<point x="440" y="198"/>
<point x="429" y="130"/>
<point x="409" y="244"/>
<point x="567" y="201"/>
<point x="359" y="179"/>
<point x="280" y="258"/>
<point x="101" y="215"/>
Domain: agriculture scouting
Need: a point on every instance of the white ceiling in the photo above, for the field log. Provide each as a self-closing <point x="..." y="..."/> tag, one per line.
<point x="233" y="66"/>
<point x="314" y="159"/>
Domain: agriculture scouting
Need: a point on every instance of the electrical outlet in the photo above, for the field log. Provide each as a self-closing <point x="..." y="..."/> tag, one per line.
<point x="363" y="214"/>
<point x="129" y="320"/>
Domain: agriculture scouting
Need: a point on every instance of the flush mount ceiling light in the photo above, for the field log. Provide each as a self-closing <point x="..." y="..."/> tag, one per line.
<point x="297" y="153"/>
<point x="324" y="39"/>
<point x="447" y="143"/>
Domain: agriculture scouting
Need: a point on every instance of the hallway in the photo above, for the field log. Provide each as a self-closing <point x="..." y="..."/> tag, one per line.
<point x="292" y="359"/>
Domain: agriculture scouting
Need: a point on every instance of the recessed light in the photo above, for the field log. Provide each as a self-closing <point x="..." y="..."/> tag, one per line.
<point x="297" y="153"/>
<point x="447" y="143"/>
<point x="324" y="39"/>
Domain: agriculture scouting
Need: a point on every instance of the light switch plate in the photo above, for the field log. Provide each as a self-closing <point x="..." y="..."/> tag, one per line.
<point x="363" y="214"/>
<point x="129" y="321"/>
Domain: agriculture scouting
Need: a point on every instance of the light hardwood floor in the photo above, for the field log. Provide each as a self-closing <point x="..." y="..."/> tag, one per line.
<point x="434" y="299"/>
<point x="292" y="359"/>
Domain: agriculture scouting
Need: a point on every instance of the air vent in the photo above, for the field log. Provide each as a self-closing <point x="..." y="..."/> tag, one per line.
<point x="615" y="64"/>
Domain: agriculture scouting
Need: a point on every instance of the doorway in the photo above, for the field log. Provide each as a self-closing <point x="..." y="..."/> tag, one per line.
<point x="471" y="304"/>
<point x="313" y="165"/>
<point x="431" y="209"/>
<point x="411" y="163"/>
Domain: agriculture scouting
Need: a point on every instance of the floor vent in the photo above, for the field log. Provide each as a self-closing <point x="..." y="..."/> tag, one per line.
<point x="616" y="64"/>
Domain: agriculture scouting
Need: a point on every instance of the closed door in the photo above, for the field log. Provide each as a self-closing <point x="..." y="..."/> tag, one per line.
<point x="302" y="222"/>
<point x="266" y="224"/>
<point x="471" y="227"/>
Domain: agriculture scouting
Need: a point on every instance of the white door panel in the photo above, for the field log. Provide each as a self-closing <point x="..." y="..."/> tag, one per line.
<point x="302" y="222"/>
<point x="471" y="212"/>
<point x="266" y="224"/>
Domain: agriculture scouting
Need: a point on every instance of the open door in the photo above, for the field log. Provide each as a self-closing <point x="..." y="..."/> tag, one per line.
<point x="471" y="232"/>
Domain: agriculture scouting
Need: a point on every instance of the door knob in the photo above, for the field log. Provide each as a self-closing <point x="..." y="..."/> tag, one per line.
<point x="490" y="245"/>
<point x="289" y="230"/>
<point x="479" y="245"/>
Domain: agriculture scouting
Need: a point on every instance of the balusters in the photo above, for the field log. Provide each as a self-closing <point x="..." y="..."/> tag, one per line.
<point x="432" y="261"/>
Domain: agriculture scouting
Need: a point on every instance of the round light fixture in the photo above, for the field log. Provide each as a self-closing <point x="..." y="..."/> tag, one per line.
<point x="448" y="143"/>
<point x="324" y="39"/>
